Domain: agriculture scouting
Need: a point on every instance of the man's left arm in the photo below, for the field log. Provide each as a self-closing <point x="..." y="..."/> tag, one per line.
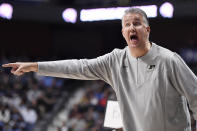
<point x="184" y="81"/>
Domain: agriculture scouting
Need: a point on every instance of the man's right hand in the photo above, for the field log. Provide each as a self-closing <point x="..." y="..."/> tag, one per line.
<point x="19" y="68"/>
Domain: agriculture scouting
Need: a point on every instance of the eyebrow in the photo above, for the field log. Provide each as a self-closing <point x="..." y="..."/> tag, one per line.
<point x="135" y="19"/>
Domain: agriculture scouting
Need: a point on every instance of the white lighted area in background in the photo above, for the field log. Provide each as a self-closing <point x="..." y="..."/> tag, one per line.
<point x="166" y="10"/>
<point x="113" y="13"/>
<point x="70" y="15"/>
<point x="6" y="11"/>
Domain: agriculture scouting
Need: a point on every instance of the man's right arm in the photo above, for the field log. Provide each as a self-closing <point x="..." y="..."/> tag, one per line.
<point x="84" y="69"/>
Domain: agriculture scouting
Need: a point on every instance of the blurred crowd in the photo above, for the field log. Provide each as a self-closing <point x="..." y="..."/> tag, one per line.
<point x="85" y="110"/>
<point x="89" y="113"/>
<point x="26" y="99"/>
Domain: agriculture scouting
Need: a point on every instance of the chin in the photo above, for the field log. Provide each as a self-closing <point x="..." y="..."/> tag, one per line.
<point x="133" y="45"/>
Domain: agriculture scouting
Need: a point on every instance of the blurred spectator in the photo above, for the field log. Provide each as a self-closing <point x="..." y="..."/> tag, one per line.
<point x="34" y="93"/>
<point x="4" y="116"/>
<point x="16" y="122"/>
<point x="47" y="99"/>
<point x="29" y="115"/>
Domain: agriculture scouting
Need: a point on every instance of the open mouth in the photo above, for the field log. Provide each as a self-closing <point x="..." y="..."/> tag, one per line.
<point x="133" y="37"/>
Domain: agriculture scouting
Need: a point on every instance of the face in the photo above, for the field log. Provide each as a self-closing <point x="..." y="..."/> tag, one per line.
<point x="135" y="31"/>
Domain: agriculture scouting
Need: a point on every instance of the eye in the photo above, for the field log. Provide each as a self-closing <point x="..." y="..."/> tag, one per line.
<point x="127" y="24"/>
<point x="136" y="23"/>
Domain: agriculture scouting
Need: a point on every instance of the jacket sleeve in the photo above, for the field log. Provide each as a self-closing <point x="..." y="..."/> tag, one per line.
<point x="84" y="69"/>
<point x="184" y="81"/>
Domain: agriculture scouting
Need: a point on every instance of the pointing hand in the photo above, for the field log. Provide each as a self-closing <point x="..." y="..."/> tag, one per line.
<point x="19" y="68"/>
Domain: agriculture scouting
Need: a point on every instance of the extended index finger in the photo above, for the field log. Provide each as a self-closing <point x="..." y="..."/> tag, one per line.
<point x="10" y="65"/>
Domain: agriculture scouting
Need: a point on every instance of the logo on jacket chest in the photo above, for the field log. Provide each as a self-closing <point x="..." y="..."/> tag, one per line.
<point x="150" y="67"/>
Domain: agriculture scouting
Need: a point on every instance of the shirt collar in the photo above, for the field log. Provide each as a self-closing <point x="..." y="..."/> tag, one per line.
<point x="148" y="56"/>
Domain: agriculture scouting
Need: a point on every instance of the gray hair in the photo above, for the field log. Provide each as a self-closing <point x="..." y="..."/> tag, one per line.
<point x="137" y="11"/>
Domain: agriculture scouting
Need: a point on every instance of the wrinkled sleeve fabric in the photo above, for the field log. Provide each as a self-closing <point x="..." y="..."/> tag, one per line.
<point x="184" y="81"/>
<point x="84" y="69"/>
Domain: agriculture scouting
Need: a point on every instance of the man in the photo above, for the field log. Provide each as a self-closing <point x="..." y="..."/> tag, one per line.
<point x="152" y="83"/>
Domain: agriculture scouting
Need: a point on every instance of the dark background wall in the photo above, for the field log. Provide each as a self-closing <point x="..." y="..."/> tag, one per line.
<point x="43" y="41"/>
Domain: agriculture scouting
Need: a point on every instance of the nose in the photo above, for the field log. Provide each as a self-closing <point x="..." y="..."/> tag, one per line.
<point x="132" y="28"/>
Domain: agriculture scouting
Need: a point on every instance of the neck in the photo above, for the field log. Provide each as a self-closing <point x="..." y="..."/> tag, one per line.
<point x="140" y="51"/>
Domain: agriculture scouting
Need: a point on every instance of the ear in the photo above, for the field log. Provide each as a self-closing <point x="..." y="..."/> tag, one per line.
<point x="148" y="29"/>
